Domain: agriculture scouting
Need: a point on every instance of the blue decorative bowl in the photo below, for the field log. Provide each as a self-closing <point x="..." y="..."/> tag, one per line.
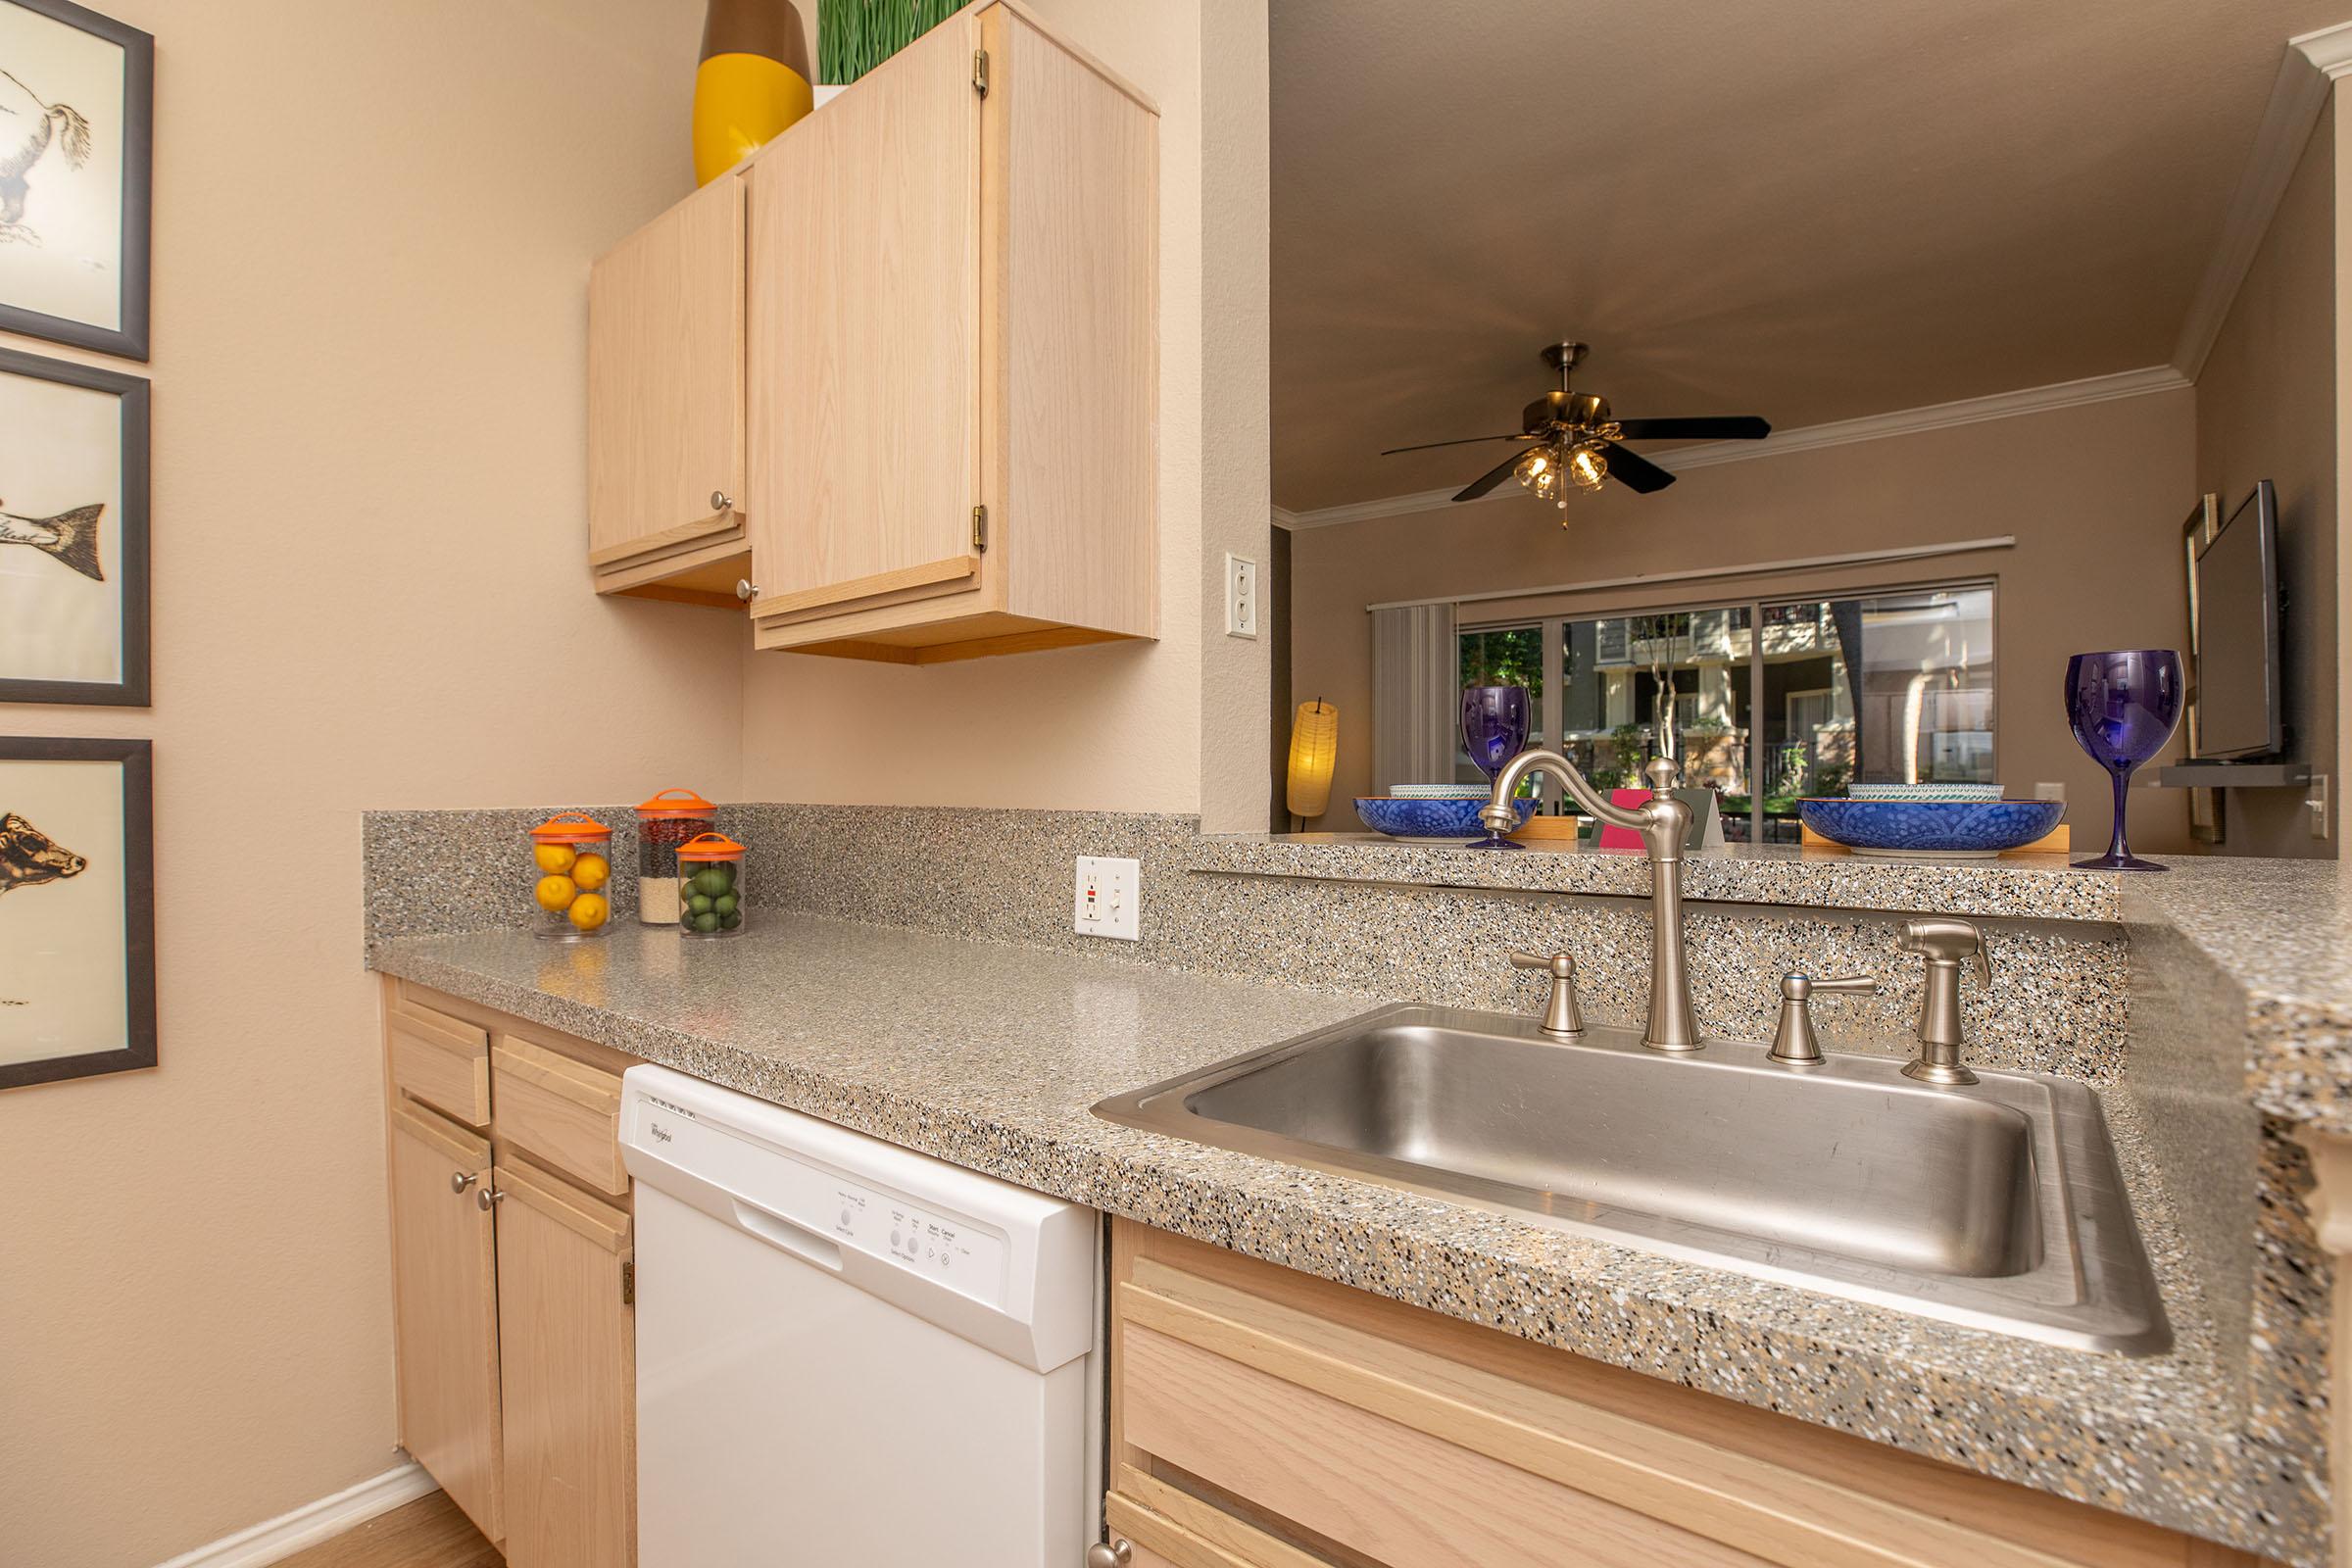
<point x="1430" y="819"/>
<point x="1944" y="830"/>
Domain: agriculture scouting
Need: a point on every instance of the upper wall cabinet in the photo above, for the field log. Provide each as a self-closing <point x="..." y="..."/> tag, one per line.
<point x="665" y="371"/>
<point x="951" y="354"/>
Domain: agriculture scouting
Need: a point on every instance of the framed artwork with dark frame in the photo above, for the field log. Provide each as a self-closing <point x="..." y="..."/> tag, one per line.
<point x="76" y="909"/>
<point x="77" y="175"/>
<point x="74" y="545"/>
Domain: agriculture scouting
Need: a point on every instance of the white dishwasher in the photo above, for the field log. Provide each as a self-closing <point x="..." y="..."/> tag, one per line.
<point x="849" y="1353"/>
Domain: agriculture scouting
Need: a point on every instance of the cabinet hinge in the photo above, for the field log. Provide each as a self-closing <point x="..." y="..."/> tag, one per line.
<point x="628" y="1283"/>
<point x="980" y="72"/>
<point x="980" y="530"/>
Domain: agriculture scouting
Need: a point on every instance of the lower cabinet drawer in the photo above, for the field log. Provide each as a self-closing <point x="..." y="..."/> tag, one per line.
<point x="560" y="1111"/>
<point x="439" y="1061"/>
<point x="1262" y="1418"/>
<point x="1379" y="1486"/>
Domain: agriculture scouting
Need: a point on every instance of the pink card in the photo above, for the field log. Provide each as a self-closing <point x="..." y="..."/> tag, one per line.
<point x="1613" y="837"/>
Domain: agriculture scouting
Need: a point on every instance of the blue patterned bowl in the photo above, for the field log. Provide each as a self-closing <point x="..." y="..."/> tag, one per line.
<point x="1430" y="819"/>
<point x="1931" y="829"/>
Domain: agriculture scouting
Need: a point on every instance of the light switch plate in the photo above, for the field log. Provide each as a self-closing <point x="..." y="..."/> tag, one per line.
<point x="1241" y="595"/>
<point x="1109" y="898"/>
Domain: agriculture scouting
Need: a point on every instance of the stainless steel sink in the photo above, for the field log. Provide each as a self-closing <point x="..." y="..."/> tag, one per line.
<point x="1997" y="1206"/>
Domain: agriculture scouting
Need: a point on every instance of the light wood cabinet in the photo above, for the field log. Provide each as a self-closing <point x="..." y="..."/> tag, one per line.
<point x="568" y="1369"/>
<point x="952" y="330"/>
<point x="913" y="342"/>
<point x="1262" y="1418"/>
<point x="665" y="404"/>
<point x="445" y="1311"/>
<point x="514" y="1279"/>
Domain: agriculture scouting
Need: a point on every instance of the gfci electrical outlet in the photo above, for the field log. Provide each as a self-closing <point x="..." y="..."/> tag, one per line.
<point x="1109" y="900"/>
<point x="1241" y="597"/>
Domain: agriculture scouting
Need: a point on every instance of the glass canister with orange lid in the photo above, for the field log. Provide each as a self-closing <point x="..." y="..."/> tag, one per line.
<point x="710" y="887"/>
<point x="572" y="874"/>
<point x="667" y="820"/>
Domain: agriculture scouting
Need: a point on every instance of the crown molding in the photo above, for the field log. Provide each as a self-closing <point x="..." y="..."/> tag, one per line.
<point x="2308" y="70"/>
<point x="1870" y="427"/>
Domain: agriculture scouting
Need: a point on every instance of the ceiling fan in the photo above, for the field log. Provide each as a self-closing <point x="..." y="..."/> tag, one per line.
<point x="1568" y="440"/>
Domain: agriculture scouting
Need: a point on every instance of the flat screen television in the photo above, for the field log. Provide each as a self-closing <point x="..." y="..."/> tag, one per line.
<point x="2234" y="613"/>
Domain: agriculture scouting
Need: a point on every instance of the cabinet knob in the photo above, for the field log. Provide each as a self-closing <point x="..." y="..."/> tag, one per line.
<point x="1112" y="1553"/>
<point x="720" y="501"/>
<point x="485" y="1197"/>
<point x="746" y="589"/>
<point x="460" y="1180"/>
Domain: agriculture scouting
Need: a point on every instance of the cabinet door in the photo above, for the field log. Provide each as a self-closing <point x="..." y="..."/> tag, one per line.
<point x="445" y="1311"/>
<point x="570" y="1373"/>
<point x="863" y="339"/>
<point x="665" y="381"/>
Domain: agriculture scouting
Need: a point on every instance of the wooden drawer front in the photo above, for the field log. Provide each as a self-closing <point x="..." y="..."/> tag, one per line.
<point x="440" y="1061"/>
<point x="560" y="1111"/>
<point x="1416" y="1441"/>
<point x="1384" y="1487"/>
<point x="1172" y="1529"/>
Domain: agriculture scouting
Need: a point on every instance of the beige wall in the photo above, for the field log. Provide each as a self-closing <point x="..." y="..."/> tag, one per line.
<point x="2095" y="495"/>
<point x="1117" y="725"/>
<point x="2265" y="410"/>
<point x="372" y="230"/>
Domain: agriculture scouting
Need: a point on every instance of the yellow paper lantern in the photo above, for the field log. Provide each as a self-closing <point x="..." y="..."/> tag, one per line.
<point x="1314" y="748"/>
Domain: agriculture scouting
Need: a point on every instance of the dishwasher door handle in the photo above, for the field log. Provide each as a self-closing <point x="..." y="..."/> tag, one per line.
<point x="786" y="1236"/>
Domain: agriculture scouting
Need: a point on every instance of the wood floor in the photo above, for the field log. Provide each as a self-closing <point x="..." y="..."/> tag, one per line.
<point x="430" y="1533"/>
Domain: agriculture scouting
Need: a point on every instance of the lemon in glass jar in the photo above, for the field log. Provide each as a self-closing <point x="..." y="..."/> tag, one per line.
<point x="591" y="871"/>
<point x="554" y="858"/>
<point x="588" y="910"/>
<point x="556" y="893"/>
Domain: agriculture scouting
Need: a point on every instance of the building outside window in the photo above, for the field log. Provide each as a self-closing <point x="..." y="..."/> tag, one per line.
<point x="1773" y="700"/>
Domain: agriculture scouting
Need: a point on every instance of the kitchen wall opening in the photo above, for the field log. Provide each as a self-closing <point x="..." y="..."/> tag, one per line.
<point x="1773" y="700"/>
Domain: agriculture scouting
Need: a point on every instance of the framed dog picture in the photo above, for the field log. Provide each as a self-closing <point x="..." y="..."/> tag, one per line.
<point x="76" y="909"/>
<point x="73" y="532"/>
<point x="77" y="161"/>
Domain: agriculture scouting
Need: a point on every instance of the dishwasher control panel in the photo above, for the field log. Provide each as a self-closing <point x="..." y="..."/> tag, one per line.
<point x="950" y="1250"/>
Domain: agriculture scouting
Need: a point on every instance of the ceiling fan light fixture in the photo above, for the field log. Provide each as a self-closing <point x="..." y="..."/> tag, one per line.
<point x="1540" y="475"/>
<point x="1587" y="467"/>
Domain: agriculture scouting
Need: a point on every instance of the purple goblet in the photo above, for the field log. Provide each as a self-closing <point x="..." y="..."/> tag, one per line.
<point x="1494" y="720"/>
<point x="2122" y="707"/>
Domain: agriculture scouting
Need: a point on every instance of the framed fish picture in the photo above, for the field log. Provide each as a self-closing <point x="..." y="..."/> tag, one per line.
<point x="73" y="615"/>
<point x="76" y="174"/>
<point x="76" y="909"/>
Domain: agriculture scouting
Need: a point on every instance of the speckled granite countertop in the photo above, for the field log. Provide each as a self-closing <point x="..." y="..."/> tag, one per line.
<point x="2024" y="886"/>
<point x="2282" y="932"/>
<point x="992" y="1055"/>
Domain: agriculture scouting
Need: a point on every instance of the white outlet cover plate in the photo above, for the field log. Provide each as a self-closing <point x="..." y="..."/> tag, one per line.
<point x="1241" y="595"/>
<point x="1107" y="900"/>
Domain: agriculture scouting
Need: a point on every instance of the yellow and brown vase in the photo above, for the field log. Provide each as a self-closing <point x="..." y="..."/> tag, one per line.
<point x="752" y="83"/>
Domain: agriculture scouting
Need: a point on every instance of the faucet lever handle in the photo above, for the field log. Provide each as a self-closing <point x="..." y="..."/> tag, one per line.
<point x="1859" y="984"/>
<point x="1562" y="1018"/>
<point x="1794" y="1042"/>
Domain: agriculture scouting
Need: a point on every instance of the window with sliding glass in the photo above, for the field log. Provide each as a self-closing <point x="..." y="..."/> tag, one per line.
<point x="1771" y="700"/>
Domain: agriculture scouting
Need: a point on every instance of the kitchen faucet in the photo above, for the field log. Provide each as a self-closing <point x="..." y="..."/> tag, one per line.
<point x="1664" y="824"/>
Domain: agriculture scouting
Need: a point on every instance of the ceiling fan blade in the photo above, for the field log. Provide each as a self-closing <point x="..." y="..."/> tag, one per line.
<point x="1631" y="470"/>
<point x="1729" y="427"/>
<point x="1489" y="479"/>
<point x="1466" y="441"/>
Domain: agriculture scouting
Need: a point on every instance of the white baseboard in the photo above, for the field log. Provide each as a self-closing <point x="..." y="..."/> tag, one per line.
<point x="311" y="1523"/>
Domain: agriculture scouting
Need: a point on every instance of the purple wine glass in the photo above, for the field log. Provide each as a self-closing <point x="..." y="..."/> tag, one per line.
<point x="1494" y="720"/>
<point x="2122" y="707"/>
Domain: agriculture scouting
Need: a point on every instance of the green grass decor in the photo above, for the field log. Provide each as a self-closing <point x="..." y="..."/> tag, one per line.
<point x="854" y="36"/>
